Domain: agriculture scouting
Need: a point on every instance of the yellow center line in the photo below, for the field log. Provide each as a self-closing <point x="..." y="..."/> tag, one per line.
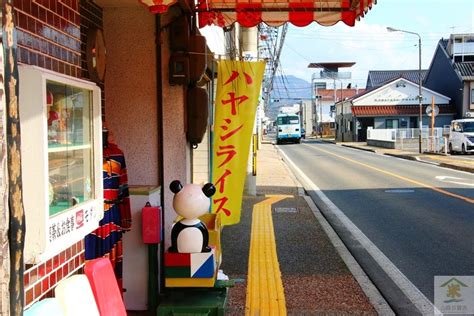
<point x="457" y="196"/>
<point x="265" y="295"/>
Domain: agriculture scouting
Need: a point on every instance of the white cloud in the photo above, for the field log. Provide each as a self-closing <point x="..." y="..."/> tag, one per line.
<point x="370" y="46"/>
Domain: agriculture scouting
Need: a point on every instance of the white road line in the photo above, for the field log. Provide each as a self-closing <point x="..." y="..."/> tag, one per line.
<point x="376" y="299"/>
<point x="418" y="299"/>
<point x="450" y="179"/>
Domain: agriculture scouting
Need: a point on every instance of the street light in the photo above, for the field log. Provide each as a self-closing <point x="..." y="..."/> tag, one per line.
<point x="420" y="96"/>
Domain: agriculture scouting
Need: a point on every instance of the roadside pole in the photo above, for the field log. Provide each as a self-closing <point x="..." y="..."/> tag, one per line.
<point x="432" y="123"/>
<point x="432" y="111"/>
<point x="250" y="46"/>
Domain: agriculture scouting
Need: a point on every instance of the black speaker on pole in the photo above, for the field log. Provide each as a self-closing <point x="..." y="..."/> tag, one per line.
<point x="179" y="34"/>
<point x="197" y="114"/>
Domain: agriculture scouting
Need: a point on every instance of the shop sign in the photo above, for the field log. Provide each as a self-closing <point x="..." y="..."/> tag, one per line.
<point x="238" y="89"/>
<point x="76" y="221"/>
<point x="395" y="99"/>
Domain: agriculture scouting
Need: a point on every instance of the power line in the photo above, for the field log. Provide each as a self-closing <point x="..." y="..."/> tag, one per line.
<point x="272" y="47"/>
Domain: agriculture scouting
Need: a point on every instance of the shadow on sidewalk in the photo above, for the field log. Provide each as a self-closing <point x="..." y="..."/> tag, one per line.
<point x="315" y="279"/>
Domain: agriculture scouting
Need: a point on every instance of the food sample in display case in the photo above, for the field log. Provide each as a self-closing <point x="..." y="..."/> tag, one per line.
<point x="69" y="146"/>
<point x="61" y="160"/>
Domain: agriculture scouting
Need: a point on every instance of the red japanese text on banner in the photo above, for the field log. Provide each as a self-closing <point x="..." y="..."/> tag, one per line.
<point x="238" y="89"/>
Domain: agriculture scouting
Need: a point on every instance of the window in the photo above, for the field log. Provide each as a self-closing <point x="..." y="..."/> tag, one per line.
<point x="320" y="85"/>
<point x="467" y="127"/>
<point x="391" y="123"/>
<point x="472" y="96"/>
<point x="69" y="146"/>
<point x="285" y="120"/>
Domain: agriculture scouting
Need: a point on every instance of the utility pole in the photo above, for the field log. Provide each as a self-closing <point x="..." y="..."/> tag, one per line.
<point x="420" y="95"/>
<point x="270" y="48"/>
<point x="320" y="117"/>
<point x="250" y="46"/>
<point x="314" y="104"/>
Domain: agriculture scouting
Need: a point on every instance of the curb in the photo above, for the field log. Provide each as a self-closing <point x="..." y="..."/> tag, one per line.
<point x="328" y="141"/>
<point x="407" y="157"/>
<point x="373" y="294"/>
<point x="360" y="148"/>
<point x="299" y="185"/>
<point x="415" y="158"/>
<point x="376" y="299"/>
<point x="460" y="168"/>
<point x="400" y="295"/>
<point x="435" y="154"/>
<point x="441" y="164"/>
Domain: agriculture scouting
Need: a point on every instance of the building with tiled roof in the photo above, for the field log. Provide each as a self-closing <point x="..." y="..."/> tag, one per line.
<point x="392" y="105"/>
<point x="324" y="106"/>
<point x="465" y="70"/>
<point x="451" y="72"/>
<point x="377" y="78"/>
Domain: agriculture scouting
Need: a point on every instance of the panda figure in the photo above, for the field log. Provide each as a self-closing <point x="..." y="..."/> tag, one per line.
<point x="190" y="201"/>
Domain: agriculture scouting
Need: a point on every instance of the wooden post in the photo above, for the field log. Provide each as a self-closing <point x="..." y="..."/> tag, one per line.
<point x="16" y="231"/>
<point x="4" y="216"/>
<point x="432" y="123"/>
<point x="432" y="115"/>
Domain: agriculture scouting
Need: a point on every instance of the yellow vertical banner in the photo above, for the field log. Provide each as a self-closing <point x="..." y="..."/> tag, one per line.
<point x="238" y="89"/>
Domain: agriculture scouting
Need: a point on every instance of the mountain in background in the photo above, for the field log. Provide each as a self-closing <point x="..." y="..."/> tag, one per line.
<point x="290" y="87"/>
<point x="287" y="90"/>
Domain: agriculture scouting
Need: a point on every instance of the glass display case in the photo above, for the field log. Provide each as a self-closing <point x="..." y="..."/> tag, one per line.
<point x="61" y="160"/>
<point x="69" y="146"/>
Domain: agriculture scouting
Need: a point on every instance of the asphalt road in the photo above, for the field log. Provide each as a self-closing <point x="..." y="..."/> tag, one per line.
<point x="419" y="215"/>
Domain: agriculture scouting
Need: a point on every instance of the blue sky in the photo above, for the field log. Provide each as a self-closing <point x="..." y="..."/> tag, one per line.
<point x="370" y="45"/>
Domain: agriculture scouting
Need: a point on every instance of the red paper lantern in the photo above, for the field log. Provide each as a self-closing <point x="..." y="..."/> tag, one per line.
<point x="158" y="6"/>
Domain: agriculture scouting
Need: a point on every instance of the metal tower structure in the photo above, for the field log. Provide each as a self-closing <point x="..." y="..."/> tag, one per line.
<point x="270" y="44"/>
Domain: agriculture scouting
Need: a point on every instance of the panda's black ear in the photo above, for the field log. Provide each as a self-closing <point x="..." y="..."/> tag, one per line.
<point x="209" y="189"/>
<point x="175" y="186"/>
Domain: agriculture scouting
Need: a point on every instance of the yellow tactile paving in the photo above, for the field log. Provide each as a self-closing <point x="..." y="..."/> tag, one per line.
<point x="265" y="295"/>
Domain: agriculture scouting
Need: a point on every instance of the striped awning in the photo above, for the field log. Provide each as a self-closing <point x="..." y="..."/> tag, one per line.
<point x="250" y="13"/>
<point x="395" y="110"/>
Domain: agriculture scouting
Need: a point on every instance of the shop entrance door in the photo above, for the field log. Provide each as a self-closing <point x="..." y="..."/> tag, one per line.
<point x="364" y="123"/>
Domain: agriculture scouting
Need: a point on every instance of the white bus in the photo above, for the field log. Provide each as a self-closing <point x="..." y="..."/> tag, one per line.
<point x="288" y="128"/>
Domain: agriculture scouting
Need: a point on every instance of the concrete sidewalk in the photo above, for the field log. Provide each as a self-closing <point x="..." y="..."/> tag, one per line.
<point x="458" y="162"/>
<point x="315" y="278"/>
